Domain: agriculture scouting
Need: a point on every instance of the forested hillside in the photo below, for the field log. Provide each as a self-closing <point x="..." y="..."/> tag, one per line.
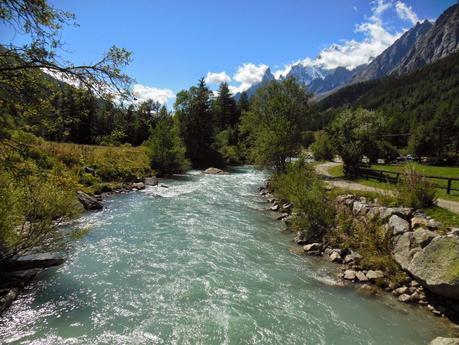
<point x="421" y="109"/>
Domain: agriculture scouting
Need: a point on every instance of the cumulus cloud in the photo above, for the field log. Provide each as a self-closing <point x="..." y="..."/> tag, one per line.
<point x="282" y="72"/>
<point x="352" y="53"/>
<point x="406" y="12"/>
<point x="143" y="93"/>
<point x="247" y="75"/>
<point x="217" y="78"/>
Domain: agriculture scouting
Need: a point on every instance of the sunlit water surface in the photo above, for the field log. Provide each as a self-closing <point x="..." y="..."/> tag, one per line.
<point x="200" y="262"/>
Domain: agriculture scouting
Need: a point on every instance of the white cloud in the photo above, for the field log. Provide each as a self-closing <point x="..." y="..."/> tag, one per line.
<point x="143" y="93"/>
<point x="247" y="75"/>
<point x="406" y="12"/>
<point x="217" y="78"/>
<point x="282" y="72"/>
<point x="352" y="53"/>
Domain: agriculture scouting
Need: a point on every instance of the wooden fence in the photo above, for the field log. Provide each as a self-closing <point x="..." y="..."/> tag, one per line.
<point x="448" y="183"/>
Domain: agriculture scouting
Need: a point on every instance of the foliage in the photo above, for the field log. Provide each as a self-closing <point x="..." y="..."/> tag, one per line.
<point x="166" y="149"/>
<point x="275" y="123"/>
<point x="416" y="191"/>
<point x="42" y="23"/>
<point x="313" y="210"/>
<point x="421" y="109"/>
<point x="371" y="240"/>
<point x="194" y="114"/>
<point x="322" y="148"/>
<point x="354" y="135"/>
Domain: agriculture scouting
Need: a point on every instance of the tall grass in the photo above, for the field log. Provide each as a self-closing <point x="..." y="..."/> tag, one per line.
<point x="313" y="211"/>
<point x="416" y="191"/>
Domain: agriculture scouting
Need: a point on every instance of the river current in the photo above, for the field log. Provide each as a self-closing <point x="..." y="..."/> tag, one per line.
<point x="200" y="262"/>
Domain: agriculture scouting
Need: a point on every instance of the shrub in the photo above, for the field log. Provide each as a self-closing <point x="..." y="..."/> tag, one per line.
<point x="322" y="149"/>
<point x="313" y="211"/>
<point x="415" y="190"/>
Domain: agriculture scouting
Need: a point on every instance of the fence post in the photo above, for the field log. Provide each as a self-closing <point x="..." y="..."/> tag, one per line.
<point x="380" y="176"/>
<point x="448" y="189"/>
<point x="396" y="179"/>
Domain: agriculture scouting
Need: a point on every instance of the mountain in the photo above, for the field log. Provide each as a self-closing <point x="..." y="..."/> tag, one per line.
<point x="306" y="74"/>
<point x="267" y="78"/>
<point x="338" y="77"/>
<point x="419" y="106"/>
<point x="440" y="41"/>
<point x="390" y="58"/>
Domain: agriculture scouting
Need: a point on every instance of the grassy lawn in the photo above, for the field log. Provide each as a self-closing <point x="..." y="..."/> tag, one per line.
<point x="444" y="216"/>
<point x="337" y="171"/>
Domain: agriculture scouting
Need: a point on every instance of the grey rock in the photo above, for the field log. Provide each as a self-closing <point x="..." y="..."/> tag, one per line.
<point x="138" y="185"/>
<point x="349" y="275"/>
<point x="444" y="341"/>
<point x="351" y="257"/>
<point x="422" y="237"/>
<point x="30" y="261"/>
<point x="151" y="181"/>
<point x="401" y="290"/>
<point x="436" y="266"/>
<point x="213" y="171"/>
<point x="361" y="277"/>
<point x="335" y="257"/>
<point x="89" y="202"/>
<point x="404" y="298"/>
<point x="274" y="208"/>
<point x="6" y="298"/>
<point x="373" y="275"/>
<point x="398" y="225"/>
<point x="312" y="247"/>
<point x="404" y="248"/>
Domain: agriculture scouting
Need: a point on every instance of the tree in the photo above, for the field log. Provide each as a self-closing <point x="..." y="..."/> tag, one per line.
<point x="42" y="23"/>
<point x="275" y="122"/>
<point x="322" y="148"/>
<point x="167" y="151"/>
<point x="354" y="134"/>
<point x="194" y="114"/>
<point x="225" y="109"/>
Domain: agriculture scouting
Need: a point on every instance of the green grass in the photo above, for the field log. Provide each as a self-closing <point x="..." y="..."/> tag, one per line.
<point x="444" y="216"/>
<point x="337" y="171"/>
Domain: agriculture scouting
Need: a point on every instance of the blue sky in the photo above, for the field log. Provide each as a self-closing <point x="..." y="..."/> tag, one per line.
<point x="174" y="43"/>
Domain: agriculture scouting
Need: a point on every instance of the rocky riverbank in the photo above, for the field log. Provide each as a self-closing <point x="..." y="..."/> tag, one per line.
<point x="425" y="252"/>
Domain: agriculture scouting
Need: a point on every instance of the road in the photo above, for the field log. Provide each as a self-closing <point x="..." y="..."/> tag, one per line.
<point x="322" y="169"/>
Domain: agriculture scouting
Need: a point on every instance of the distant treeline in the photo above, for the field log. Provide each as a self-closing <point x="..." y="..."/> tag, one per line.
<point x="421" y="109"/>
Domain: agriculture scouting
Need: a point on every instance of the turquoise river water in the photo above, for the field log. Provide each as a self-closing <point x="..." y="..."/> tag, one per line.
<point x="200" y="262"/>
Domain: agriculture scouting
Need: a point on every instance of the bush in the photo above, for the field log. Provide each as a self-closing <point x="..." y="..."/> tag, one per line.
<point x="322" y="149"/>
<point x="313" y="211"/>
<point x="166" y="149"/>
<point x="416" y="191"/>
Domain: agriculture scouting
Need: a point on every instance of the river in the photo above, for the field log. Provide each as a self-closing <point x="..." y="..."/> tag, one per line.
<point x="200" y="262"/>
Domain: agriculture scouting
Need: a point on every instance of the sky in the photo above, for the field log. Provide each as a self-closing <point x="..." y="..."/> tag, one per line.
<point x="176" y="42"/>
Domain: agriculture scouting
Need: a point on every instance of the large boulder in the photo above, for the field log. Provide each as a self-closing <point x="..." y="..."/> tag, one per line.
<point x="151" y="181"/>
<point x="6" y="298"/>
<point x="398" y="225"/>
<point x="444" y="341"/>
<point x="89" y="202"/>
<point x="213" y="171"/>
<point x="436" y="266"/>
<point x="404" y="248"/>
<point x="30" y="261"/>
<point x="138" y="185"/>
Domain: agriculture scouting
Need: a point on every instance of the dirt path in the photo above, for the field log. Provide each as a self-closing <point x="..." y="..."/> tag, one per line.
<point x="322" y="169"/>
